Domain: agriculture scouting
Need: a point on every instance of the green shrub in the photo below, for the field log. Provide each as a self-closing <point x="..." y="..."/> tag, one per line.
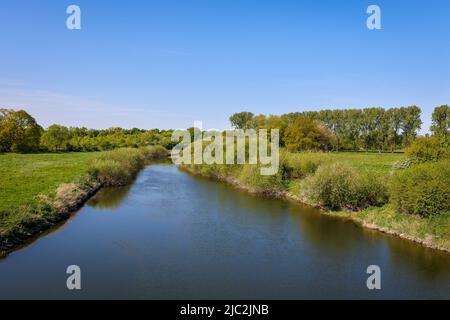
<point x="423" y="189"/>
<point x="338" y="186"/>
<point x="425" y="149"/>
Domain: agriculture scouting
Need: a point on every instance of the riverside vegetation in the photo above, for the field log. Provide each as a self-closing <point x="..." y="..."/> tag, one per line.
<point x="368" y="188"/>
<point x="40" y="190"/>
<point x="407" y="195"/>
<point x="403" y="194"/>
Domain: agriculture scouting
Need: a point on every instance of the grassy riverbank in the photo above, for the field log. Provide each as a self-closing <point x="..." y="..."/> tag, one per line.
<point x="39" y="190"/>
<point x="350" y="185"/>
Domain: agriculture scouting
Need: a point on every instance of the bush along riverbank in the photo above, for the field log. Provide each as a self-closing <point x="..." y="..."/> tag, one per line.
<point x="107" y="169"/>
<point x="408" y="201"/>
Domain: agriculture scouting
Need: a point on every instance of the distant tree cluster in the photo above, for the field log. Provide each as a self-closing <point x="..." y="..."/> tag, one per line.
<point x="83" y="139"/>
<point x="352" y="129"/>
<point x="19" y="132"/>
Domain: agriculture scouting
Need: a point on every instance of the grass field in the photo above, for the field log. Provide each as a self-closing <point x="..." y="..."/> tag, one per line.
<point x="23" y="177"/>
<point x="376" y="163"/>
<point x="379" y="164"/>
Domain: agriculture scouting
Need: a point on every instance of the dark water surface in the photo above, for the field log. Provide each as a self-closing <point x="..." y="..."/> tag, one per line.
<point x="171" y="235"/>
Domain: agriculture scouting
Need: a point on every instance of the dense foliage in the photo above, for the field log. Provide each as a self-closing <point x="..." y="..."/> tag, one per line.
<point x="83" y="139"/>
<point x="425" y="149"/>
<point x="306" y="134"/>
<point x="353" y="129"/>
<point x="241" y="120"/>
<point x="338" y="186"/>
<point x="441" y="121"/>
<point x="56" y="138"/>
<point x="19" y="132"/>
<point x="423" y="189"/>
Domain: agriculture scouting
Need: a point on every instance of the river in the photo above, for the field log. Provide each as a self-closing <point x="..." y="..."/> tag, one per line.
<point x="174" y="236"/>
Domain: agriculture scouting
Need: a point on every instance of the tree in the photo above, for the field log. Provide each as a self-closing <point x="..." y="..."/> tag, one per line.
<point x="257" y="121"/>
<point x="241" y="120"/>
<point x="394" y="119"/>
<point x="19" y="132"/>
<point x="411" y="124"/>
<point x="269" y="123"/>
<point x="307" y="134"/>
<point x="441" y="121"/>
<point x="56" y="138"/>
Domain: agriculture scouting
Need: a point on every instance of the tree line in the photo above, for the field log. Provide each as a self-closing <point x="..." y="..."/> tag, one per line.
<point x="19" y="132"/>
<point x="351" y="129"/>
<point x="338" y="130"/>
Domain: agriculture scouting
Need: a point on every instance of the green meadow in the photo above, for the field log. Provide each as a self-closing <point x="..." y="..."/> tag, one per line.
<point x="25" y="176"/>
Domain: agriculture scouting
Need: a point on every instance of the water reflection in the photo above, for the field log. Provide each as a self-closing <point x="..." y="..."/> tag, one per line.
<point x="109" y="198"/>
<point x="174" y="236"/>
<point x="428" y="262"/>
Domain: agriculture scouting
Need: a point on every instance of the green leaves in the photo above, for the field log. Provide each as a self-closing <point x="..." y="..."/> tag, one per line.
<point x="423" y="189"/>
<point x="19" y="132"/>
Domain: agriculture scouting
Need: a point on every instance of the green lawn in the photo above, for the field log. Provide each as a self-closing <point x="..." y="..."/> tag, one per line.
<point x="379" y="164"/>
<point x="23" y="177"/>
<point x="369" y="162"/>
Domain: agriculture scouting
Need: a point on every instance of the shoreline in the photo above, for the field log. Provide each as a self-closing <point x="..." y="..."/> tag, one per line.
<point x="75" y="197"/>
<point x="286" y="195"/>
<point x="33" y="229"/>
<point x="11" y="242"/>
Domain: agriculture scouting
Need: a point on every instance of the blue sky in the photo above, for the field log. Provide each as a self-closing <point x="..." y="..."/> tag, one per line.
<point x="167" y="63"/>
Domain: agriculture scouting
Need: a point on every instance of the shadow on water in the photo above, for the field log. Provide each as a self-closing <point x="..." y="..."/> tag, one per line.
<point x="430" y="263"/>
<point x="346" y="235"/>
<point x="112" y="198"/>
<point x="109" y="198"/>
<point x="172" y="235"/>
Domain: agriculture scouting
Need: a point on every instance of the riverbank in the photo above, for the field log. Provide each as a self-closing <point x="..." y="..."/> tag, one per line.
<point x="430" y="232"/>
<point x="41" y="191"/>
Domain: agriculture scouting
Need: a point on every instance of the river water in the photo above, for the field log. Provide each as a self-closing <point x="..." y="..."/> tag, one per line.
<point x="174" y="236"/>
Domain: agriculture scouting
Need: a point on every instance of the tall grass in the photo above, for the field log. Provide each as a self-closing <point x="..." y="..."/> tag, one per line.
<point x="119" y="167"/>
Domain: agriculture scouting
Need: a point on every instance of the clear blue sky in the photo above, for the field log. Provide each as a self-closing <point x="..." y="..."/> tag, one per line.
<point x="167" y="63"/>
